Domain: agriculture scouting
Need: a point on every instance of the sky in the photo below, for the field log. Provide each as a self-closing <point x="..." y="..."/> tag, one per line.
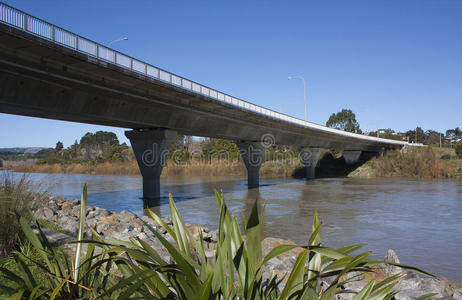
<point x="396" y="64"/>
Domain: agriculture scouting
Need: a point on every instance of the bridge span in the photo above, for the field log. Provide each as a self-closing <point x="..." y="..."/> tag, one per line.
<point x="49" y="72"/>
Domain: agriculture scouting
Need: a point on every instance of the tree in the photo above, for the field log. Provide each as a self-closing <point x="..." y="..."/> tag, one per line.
<point x="59" y="146"/>
<point x="219" y="148"/>
<point x="453" y="133"/>
<point x="432" y="137"/>
<point x="421" y="137"/>
<point x="344" y="120"/>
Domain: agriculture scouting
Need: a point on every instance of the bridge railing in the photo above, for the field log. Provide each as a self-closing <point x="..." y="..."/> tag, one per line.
<point x="21" y="20"/>
<point x="43" y="29"/>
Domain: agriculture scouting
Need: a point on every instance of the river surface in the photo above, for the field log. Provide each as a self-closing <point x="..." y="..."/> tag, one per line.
<point x="420" y="220"/>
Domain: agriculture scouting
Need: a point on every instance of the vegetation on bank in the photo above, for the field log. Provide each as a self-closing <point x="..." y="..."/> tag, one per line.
<point x="15" y="197"/>
<point x="110" y="269"/>
<point x="101" y="153"/>
<point x="412" y="162"/>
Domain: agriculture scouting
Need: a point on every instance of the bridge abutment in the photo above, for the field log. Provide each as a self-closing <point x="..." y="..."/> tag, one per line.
<point x="310" y="156"/>
<point x="351" y="156"/>
<point x="151" y="149"/>
<point x="253" y="154"/>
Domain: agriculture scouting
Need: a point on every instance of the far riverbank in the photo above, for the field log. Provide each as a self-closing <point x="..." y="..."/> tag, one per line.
<point x="419" y="163"/>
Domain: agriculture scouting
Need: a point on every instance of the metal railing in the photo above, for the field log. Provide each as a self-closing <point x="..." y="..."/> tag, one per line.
<point x="30" y="24"/>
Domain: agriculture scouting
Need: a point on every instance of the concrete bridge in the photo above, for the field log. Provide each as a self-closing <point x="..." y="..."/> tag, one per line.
<point x="49" y="72"/>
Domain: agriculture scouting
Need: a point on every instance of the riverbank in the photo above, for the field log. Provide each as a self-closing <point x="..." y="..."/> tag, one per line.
<point x="62" y="216"/>
<point x="419" y="163"/>
<point x="191" y="168"/>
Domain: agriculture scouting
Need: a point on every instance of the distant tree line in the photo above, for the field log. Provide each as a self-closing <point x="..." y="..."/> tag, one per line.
<point x="346" y="120"/>
<point x="102" y="146"/>
<point x="93" y="148"/>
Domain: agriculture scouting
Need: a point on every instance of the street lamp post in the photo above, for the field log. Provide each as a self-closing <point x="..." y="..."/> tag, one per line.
<point x="304" y="88"/>
<point x="118" y="40"/>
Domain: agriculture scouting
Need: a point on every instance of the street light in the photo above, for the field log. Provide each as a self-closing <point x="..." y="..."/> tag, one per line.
<point x="118" y="40"/>
<point x="304" y="88"/>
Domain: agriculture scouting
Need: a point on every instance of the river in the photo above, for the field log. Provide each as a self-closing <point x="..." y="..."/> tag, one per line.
<point x="421" y="220"/>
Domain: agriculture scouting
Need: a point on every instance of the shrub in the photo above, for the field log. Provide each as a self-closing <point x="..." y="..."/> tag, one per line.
<point x="458" y="149"/>
<point x="414" y="162"/>
<point x="446" y="156"/>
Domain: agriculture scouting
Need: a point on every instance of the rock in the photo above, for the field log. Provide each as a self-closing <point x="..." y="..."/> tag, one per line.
<point x="98" y="212"/>
<point x="392" y="257"/>
<point x="214" y="236"/>
<point x="68" y="205"/>
<point x="384" y="270"/>
<point x="413" y="286"/>
<point x="44" y="213"/>
<point x="196" y="230"/>
<point x="142" y="236"/>
<point x="104" y="229"/>
<point x="128" y="229"/>
<point x="457" y="296"/>
<point x="52" y="204"/>
<point x="69" y="224"/>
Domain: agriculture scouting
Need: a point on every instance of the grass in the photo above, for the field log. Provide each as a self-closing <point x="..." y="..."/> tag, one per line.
<point x="16" y="196"/>
<point x="421" y="163"/>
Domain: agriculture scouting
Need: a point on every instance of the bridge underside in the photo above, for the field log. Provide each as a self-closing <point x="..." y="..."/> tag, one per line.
<point x="41" y="79"/>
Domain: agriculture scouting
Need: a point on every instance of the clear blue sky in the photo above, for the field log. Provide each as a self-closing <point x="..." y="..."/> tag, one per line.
<point x="397" y="64"/>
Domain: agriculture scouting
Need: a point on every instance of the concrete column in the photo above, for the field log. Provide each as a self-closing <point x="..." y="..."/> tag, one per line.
<point x="351" y="156"/>
<point x="151" y="149"/>
<point x="253" y="154"/>
<point x="310" y="157"/>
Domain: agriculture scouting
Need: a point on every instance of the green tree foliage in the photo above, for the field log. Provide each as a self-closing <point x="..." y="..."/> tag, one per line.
<point x="453" y="133"/>
<point x="387" y="134"/>
<point x="59" y="146"/>
<point x="219" y="148"/>
<point x="429" y="137"/>
<point x="344" y="120"/>
<point x="432" y="137"/>
<point x="93" y="148"/>
<point x="416" y="136"/>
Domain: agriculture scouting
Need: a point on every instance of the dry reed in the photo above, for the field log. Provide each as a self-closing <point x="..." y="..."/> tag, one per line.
<point x="215" y="167"/>
<point x="414" y="162"/>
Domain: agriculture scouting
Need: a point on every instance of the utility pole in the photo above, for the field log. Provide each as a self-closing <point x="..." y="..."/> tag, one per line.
<point x="440" y="141"/>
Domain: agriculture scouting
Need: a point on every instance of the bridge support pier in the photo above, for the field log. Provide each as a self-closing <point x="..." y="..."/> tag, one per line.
<point x="310" y="157"/>
<point x="253" y="154"/>
<point x="351" y="156"/>
<point x="151" y="149"/>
